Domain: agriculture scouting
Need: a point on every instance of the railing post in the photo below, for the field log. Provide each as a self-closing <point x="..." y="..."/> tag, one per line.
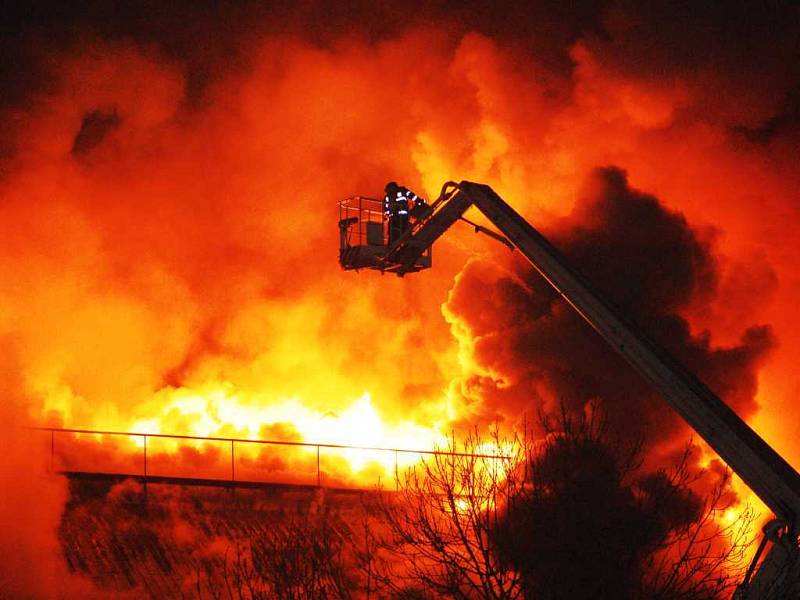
<point x="494" y="457"/>
<point x="144" y="467"/>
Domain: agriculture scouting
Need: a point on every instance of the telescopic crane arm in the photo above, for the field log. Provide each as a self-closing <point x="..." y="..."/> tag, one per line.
<point x="744" y="451"/>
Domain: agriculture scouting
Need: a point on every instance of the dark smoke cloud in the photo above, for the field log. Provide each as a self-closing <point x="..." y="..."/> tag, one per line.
<point x="649" y="263"/>
<point x="740" y="57"/>
<point x="181" y="30"/>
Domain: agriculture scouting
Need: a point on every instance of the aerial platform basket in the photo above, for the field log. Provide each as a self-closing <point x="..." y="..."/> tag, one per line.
<point x="364" y="239"/>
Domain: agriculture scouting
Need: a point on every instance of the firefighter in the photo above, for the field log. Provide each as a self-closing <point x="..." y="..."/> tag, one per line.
<point x="396" y="210"/>
<point x="398" y="203"/>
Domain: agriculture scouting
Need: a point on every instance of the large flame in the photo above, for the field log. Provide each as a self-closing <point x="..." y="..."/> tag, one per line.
<point x="169" y="238"/>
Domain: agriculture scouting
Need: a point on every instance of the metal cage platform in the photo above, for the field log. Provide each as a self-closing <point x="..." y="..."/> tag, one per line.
<point x="364" y="239"/>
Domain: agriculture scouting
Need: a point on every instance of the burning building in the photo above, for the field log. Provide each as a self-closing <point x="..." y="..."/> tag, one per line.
<point x="168" y="180"/>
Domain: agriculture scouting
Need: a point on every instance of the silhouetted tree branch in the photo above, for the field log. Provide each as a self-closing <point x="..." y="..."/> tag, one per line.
<point x="570" y="516"/>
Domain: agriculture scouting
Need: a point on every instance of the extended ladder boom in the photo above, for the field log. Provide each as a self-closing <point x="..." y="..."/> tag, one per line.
<point x="750" y="457"/>
<point x="744" y="451"/>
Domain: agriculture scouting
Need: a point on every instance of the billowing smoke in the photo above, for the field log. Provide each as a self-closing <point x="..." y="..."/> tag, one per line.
<point x="31" y="503"/>
<point x="168" y="178"/>
<point x="532" y="352"/>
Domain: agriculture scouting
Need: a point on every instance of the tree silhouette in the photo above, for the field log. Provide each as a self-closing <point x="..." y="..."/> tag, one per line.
<point x="572" y="516"/>
<point x="434" y="534"/>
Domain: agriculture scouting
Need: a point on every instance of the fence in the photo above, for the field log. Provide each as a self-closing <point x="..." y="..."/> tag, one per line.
<point x="233" y="442"/>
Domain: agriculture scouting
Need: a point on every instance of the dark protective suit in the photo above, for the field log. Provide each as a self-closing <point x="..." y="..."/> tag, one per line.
<point x="398" y="203"/>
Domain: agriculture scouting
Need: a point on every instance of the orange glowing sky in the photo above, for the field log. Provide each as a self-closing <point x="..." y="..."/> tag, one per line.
<point x="177" y="272"/>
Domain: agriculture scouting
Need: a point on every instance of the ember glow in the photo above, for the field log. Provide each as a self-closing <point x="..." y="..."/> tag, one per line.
<point x="168" y="206"/>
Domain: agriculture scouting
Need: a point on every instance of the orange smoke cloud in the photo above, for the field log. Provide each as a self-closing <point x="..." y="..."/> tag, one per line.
<point x="31" y="503"/>
<point x="526" y="349"/>
<point x="168" y="213"/>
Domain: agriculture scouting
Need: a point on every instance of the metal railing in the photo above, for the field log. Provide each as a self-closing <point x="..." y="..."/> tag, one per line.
<point x="233" y="441"/>
<point x="361" y="210"/>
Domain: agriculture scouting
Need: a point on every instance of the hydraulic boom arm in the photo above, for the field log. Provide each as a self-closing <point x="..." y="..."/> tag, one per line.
<point x="745" y="452"/>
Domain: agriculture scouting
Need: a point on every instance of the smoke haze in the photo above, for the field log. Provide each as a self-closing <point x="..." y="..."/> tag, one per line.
<point x="168" y="179"/>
